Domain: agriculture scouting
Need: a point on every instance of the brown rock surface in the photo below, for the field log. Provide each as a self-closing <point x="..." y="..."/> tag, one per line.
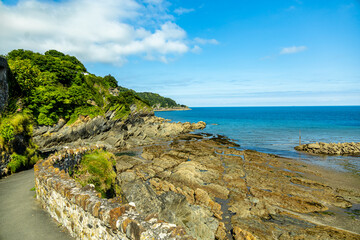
<point x="348" y="148"/>
<point x="253" y="195"/>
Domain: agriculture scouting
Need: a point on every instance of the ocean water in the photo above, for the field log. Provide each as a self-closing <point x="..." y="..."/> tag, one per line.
<point x="276" y="129"/>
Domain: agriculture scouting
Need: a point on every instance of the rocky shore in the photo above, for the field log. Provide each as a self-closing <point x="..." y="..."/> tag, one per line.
<point x="205" y="185"/>
<point x="348" y="148"/>
<point x="202" y="183"/>
<point x="137" y="130"/>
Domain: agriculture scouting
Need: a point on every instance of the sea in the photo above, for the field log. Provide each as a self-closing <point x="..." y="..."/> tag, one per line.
<point x="276" y="130"/>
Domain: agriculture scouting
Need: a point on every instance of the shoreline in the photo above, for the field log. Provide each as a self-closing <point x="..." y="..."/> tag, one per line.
<point x="202" y="183"/>
<point x="172" y="109"/>
<point x="253" y="188"/>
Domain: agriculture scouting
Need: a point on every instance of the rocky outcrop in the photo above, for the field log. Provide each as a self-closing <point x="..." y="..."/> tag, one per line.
<point x="4" y="86"/>
<point x="136" y="130"/>
<point x="348" y="148"/>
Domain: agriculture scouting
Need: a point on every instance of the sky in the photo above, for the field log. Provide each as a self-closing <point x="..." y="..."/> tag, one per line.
<point x="203" y="53"/>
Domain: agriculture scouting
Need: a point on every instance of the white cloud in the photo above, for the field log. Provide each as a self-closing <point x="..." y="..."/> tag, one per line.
<point x="206" y="41"/>
<point x="101" y="31"/>
<point x="294" y="49"/>
<point x="181" y="10"/>
<point x="196" y="49"/>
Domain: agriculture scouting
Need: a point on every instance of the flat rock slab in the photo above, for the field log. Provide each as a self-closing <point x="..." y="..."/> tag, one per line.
<point x="21" y="216"/>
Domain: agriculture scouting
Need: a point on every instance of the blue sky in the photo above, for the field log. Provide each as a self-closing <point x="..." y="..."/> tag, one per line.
<point x="203" y="53"/>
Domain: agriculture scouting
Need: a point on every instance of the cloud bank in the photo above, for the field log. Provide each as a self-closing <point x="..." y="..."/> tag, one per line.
<point x="294" y="49"/>
<point x="107" y="31"/>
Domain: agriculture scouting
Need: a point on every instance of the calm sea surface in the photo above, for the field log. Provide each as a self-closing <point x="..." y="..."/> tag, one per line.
<point x="276" y="129"/>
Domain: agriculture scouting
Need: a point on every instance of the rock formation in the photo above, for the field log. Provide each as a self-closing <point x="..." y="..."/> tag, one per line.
<point x="214" y="191"/>
<point x="139" y="129"/>
<point x="4" y="86"/>
<point x="349" y="148"/>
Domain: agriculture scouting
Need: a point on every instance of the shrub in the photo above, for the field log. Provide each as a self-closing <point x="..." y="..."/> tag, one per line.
<point x="17" y="162"/>
<point x="97" y="167"/>
<point x="7" y="132"/>
<point x="11" y="126"/>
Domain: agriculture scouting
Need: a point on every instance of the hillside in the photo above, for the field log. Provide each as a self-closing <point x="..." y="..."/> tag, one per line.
<point x="48" y="89"/>
<point x="155" y="100"/>
<point x="53" y="85"/>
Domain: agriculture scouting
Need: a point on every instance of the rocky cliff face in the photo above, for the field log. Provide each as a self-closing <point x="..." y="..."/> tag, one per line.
<point x="4" y="86"/>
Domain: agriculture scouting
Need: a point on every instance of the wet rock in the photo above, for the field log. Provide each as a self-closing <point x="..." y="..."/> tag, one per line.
<point x="348" y="148"/>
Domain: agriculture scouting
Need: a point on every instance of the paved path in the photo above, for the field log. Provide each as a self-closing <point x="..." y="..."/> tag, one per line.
<point x="21" y="216"/>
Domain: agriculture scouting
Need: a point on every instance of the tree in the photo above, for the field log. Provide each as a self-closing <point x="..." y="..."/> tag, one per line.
<point x="111" y="81"/>
<point x="26" y="74"/>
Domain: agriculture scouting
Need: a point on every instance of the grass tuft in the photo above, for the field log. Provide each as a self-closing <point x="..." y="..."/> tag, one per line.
<point x="97" y="167"/>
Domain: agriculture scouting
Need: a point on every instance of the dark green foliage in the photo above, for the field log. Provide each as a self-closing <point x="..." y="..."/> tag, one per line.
<point x="15" y="139"/>
<point x="26" y="74"/>
<point x="54" y="53"/>
<point x="155" y="99"/>
<point x="54" y="85"/>
<point x="111" y="81"/>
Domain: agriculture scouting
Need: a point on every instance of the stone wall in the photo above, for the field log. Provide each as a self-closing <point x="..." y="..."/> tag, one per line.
<point x="85" y="214"/>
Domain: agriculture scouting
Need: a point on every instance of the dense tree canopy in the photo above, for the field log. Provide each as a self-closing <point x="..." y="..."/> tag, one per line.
<point x="54" y="85"/>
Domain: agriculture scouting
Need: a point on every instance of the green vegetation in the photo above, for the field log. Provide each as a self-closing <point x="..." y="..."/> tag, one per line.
<point x="15" y="139"/>
<point x="154" y="99"/>
<point x="97" y="167"/>
<point x="53" y="85"/>
<point x="44" y="88"/>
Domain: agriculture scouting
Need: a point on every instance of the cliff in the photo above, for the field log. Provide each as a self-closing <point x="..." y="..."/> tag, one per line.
<point x="4" y="86"/>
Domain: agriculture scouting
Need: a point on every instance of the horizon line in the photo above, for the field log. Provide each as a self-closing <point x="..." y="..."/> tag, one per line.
<point x="276" y="106"/>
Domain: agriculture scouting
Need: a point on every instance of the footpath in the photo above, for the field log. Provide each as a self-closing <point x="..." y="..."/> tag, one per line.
<point x="21" y="216"/>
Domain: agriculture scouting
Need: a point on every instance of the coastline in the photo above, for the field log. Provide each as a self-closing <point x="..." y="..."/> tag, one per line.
<point x="275" y="130"/>
<point x="202" y="183"/>
<point x="172" y="109"/>
<point x="251" y="194"/>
